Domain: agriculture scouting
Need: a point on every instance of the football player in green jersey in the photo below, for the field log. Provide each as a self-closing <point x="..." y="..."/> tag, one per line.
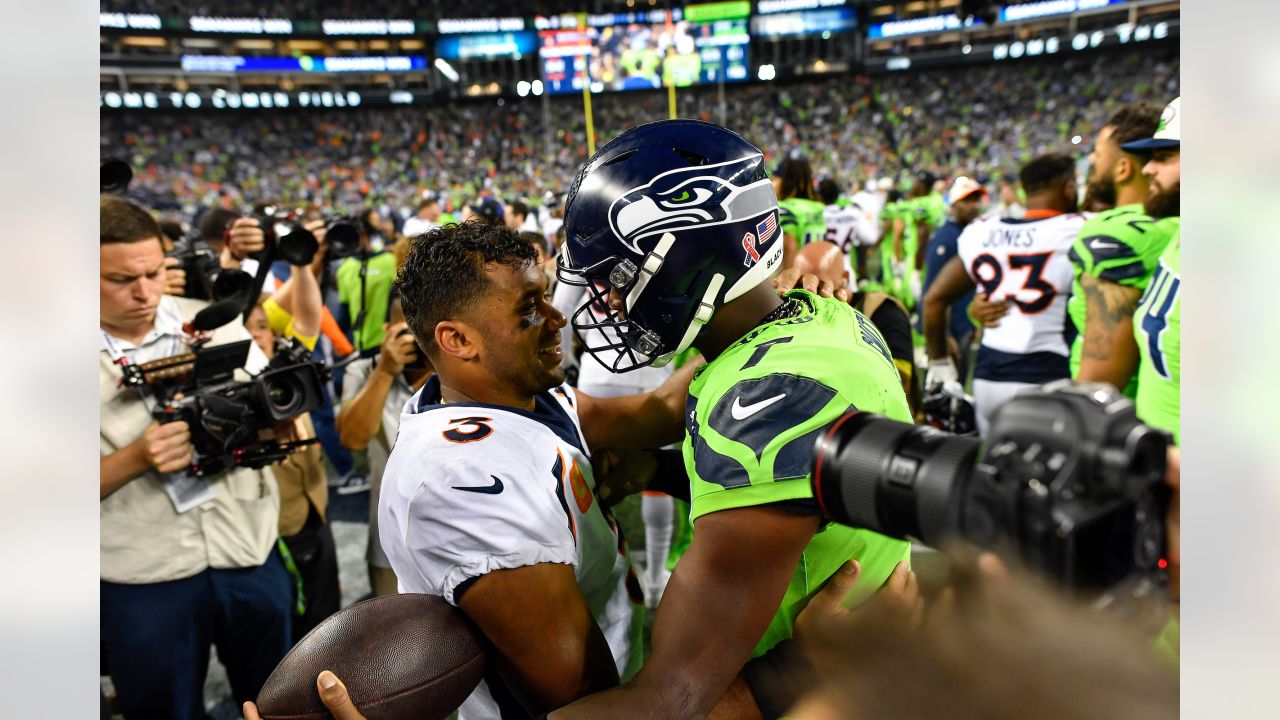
<point x="800" y="213"/>
<point x="918" y="215"/>
<point x="1157" y="324"/>
<point x="1114" y="255"/>
<point x="672" y="225"/>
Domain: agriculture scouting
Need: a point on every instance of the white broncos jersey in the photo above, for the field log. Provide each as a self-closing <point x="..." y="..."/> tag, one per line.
<point x="473" y="488"/>
<point x="1024" y="261"/>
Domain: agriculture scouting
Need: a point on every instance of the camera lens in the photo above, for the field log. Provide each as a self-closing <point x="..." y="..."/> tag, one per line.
<point x="114" y="176"/>
<point x="296" y="245"/>
<point x="233" y="285"/>
<point x="285" y="394"/>
<point x="892" y="477"/>
<point x="342" y="239"/>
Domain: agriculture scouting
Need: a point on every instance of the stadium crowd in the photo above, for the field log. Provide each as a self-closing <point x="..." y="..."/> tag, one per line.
<point x="885" y="189"/>
<point x="983" y="121"/>
<point x="427" y="10"/>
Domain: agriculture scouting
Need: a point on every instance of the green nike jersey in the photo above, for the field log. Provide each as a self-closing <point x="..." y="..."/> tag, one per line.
<point x="804" y="219"/>
<point x="752" y="419"/>
<point x="1157" y="326"/>
<point x="930" y="208"/>
<point x="1121" y="245"/>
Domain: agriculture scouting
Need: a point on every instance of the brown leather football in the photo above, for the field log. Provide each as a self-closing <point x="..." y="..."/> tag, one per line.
<point x="400" y="656"/>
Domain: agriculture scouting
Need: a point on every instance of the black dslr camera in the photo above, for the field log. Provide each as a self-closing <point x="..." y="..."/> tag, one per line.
<point x="225" y="415"/>
<point x="206" y="278"/>
<point x="297" y="246"/>
<point x="1070" y="481"/>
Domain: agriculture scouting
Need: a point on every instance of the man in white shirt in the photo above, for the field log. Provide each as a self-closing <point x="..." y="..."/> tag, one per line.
<point x="186" y="562"/>
<point x="428" y="217"/>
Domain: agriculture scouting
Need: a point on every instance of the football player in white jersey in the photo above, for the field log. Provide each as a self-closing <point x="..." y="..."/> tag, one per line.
<point x="848" y="227"/>
<point x="489" y="495"/>
<point x="1024" y="261"/>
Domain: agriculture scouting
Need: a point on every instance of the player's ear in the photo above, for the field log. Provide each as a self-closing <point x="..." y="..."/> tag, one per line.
<point x="1126" y="168"/>
<point x="457" y="339"/>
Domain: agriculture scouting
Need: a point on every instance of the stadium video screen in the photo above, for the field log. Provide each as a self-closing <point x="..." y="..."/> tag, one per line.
<point x="645" y="56"/>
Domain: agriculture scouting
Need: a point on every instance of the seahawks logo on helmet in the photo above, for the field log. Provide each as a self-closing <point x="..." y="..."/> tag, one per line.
<point x="699" y="196"/>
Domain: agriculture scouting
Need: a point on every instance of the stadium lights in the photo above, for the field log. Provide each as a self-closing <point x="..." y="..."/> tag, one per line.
<point x="536" y="87"/>
<point x="522" y="88"/>
<point x="1076" y="139"/>
<point x="766" y="72"/>
<point x="446" y="69"/>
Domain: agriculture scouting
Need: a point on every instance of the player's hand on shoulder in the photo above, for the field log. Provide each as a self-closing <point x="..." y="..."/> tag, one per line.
<point x="791" y="278"/>
<point x="333" y="693"/>
<point x="620" y="473"/>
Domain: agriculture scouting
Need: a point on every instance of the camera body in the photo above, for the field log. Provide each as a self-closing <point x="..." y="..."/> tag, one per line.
<point x="206" y="278"/>
<point x="1070" y="481"/>
<point x="226" y="415"/>
<point x="297" y="246"/>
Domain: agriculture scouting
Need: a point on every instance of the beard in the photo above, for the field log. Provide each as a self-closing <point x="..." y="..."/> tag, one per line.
<point x="1163" y="203"/>
<point x="1099" y="190"/>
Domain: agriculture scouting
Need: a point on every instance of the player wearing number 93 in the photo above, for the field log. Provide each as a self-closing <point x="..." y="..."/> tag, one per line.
<point x="673" y="227"/>
<point x="1025" y="262"/>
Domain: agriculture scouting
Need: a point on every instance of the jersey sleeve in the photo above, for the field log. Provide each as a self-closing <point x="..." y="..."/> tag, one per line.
<point x="755" y="445"/>
<point x="477" y="515"/>
<point x="1107" y="248"/>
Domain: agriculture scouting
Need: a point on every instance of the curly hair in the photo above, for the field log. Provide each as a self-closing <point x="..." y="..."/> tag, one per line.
<point x="444" y="272"/>
<point x="1134" y="122"/>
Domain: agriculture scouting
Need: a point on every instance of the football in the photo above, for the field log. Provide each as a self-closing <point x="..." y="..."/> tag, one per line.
<point x="400" y="656"/>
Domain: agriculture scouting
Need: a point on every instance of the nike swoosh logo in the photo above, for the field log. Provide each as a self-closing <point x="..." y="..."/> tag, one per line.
<point x="493" y="489"/>
<point x="742" y="412"/>
<point x="1102" y="245"/>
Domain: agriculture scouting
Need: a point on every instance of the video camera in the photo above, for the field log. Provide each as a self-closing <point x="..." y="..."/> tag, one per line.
<point x="226" y="415"/>
<point x="1070" y="481"/>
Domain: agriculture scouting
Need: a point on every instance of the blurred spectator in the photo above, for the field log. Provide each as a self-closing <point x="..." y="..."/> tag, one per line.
<point x="428" y="217"/>
<point x="518" y="217"/>
<point x="186" y="562"/>
<point x="968" y="200"/>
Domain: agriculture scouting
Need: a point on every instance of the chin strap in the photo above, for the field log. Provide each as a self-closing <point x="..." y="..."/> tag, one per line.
<point x="701" y="317"/>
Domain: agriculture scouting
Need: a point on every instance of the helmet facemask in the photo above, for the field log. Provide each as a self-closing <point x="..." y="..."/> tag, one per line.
<point x="624" y="344"/>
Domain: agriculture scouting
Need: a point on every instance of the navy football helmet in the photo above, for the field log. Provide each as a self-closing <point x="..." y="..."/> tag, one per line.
<point x="678" y="217"/>
<point x="950" y="412"/>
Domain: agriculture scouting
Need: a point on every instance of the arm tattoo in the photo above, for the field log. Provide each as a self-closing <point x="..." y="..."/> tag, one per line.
<point x="1109" y="309"/>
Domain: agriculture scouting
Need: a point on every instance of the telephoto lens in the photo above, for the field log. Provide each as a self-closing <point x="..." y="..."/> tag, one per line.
<point x="1070" y="481"/>
<point x="342" y="240"/>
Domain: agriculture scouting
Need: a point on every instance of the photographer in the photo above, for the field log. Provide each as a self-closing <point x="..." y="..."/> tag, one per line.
<point x="364" y="284"/>
<point x="295" y="312"/>
<point x="374" y="393"/>
<point x="186" y="561"/>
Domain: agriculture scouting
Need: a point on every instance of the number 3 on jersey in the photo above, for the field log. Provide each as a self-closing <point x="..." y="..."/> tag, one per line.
<point x="468" y="429"/>
<point x="988" y="273"/>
